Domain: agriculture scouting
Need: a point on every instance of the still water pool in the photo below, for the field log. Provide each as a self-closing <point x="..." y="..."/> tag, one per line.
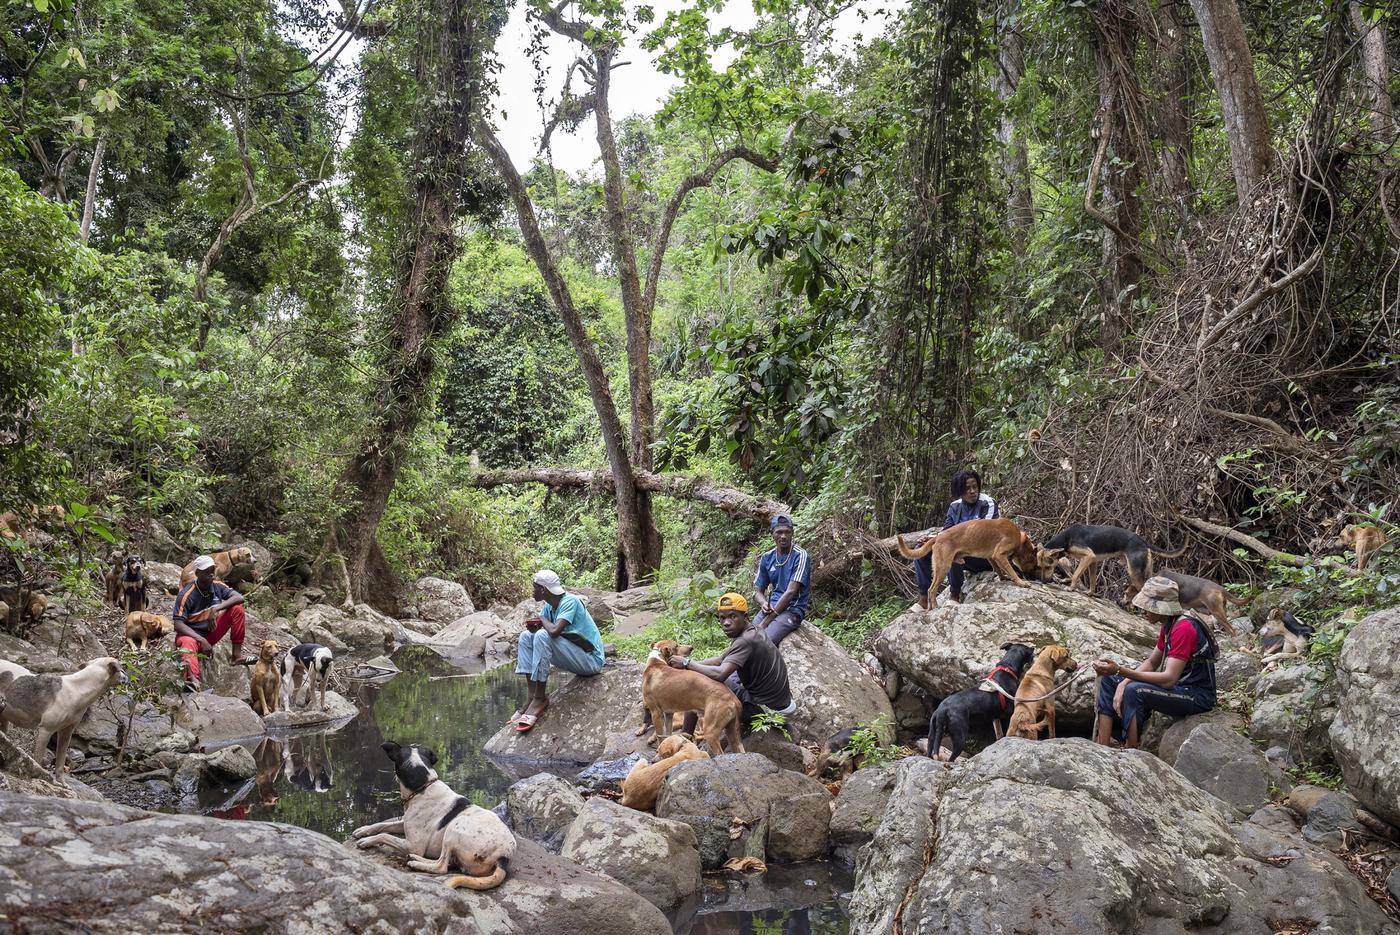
<point x="334" y="782"/>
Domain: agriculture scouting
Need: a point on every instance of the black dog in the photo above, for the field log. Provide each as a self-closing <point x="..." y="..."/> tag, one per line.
<point x="973" y="706"/>
<point x="1095" y="544"/>
<point x="132" y="586"/>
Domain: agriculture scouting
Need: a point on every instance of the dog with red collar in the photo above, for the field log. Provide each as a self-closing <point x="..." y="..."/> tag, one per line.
<point x="979" y="707"/>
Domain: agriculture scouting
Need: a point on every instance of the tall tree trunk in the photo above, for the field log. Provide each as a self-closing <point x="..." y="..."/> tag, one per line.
<point x="420" y="313"/>
<point x="90" y="197"/>
<point x="1174" y="119"/>
<point x="1015" y="163"/>
<point x="1375" y="70"/>
<point x="1241" y="104"/>
<point x="1120" y="120"/>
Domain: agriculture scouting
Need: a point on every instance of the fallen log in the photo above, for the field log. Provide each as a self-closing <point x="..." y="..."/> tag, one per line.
<point x="838" y="564"/>
<point x="731" y="500"/>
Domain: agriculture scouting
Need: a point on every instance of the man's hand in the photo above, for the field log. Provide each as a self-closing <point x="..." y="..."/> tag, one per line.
<point x="766" y="607"/>
<point x="1106" y="667"/>
<point x="203" y="644"/>
<point x="675" y="662"/>
<point x="1118" y="697"/>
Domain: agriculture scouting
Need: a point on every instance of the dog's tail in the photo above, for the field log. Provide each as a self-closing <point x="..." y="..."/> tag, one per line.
<point x="1238" y="601"/>
<point x="492" y="880"/>
<point x="936" y="726"/>
<point x="1163" y="553"/>
<point x="920" y="552"/>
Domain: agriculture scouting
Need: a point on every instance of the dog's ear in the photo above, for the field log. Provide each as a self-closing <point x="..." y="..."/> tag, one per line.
<point x="394" y="751"/>
<point x="1006" y="646"/>
<point x="428" y="755"/>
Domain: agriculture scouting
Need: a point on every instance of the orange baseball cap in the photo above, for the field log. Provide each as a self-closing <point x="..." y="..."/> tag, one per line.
<point x="732" y="601"/>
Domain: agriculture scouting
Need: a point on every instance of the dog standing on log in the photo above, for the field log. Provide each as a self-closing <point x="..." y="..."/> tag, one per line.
<point x="999" y="541"/>
<point x="441" y="829"/>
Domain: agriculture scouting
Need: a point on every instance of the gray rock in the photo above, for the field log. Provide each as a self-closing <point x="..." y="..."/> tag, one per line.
<point x="441" y="601"/>
<point x="1236" y="671"/>
<point x="1326" y="814"/>
<point x="67" y="636"/>
<point x="744" y="789"/>
<point x="783" y="752"/>
<point x="1181" y="862"/>
<point x="163" y="577"/>
<point x="338" y="708"/>
<point x="1293" y="709"/>
<point x="162" y="547"/>
<point x="1392" y="883"/>
<point x="101" y="729"/>
<point x="655" y="858"/>
<point x="582" y="713"/>
<point x="1366" y="731"/>
<point x="833" y="690"/>
<point x="911" y="714"/>
<point x="1276" y="818"/>
<point x="542" y="807"/>
<point x="1225" y="764"/>
<point x="227" y="764"/>
<point x="1179" y="728"/>
<point x="608" y="774"/>
<point x="481" y="624"/>
<point x="215" y="719"/>
<point x="859" y="808"/>
<point x="951" y="647"/>
<point x="108" y="868"/>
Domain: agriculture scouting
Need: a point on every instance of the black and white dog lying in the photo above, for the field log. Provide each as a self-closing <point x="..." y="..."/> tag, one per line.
<point x="311" y="661"/>
<point x="978" y="707"/>
<point x="441" y="829"/>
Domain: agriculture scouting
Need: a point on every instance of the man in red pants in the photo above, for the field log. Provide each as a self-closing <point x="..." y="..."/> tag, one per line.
<point x="205" y="610"/>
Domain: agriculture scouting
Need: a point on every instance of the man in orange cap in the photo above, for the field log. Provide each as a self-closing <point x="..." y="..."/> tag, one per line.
<point x="751" y="665"/>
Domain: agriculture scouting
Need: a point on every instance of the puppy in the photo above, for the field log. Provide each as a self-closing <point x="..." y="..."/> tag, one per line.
<point x="225" y="564"/>
<point x="642" y="784"/>
<point x="309" y="661"/>
<point x="1033" y="709"/>
<point x="142" y="627"/>
<point x="132" y="586"/>
<point x="1204" y="595"/>
<point x="54" y="704"/>
<point x="441" y="829"/>
<point x="1283" y="635"/>
<point x="666" y="690"/>
<point x="978" y="707"/>
<point x="265" y="686"/>
<point x="112" y="577"/>
<point x="1095" y="544"/>
<point x="1363" y="540"/>
<point x="997" y="540"/>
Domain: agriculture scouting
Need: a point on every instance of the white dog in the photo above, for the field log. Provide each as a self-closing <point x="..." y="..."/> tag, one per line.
<point x="440" y="828"/>
<point x="309" y="661"/>
<point x="54" y="704"/>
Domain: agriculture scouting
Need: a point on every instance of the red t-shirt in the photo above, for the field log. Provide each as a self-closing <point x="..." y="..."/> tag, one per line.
<point x="1183" y="639"/>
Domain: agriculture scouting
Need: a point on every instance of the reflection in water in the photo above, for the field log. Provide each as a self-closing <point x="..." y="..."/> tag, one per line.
<point x="335" y="782"/>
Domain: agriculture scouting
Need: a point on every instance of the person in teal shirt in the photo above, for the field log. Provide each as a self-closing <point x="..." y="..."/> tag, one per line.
<point x="564" y="637"/>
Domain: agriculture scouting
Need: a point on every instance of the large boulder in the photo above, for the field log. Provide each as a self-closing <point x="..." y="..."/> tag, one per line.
<point x="482" y="625"/>
<point x="655" y="858"/>
<point x="161" y="545"/>
<point x="542" y="807"/>
<point x="1067" y="836"/>
<point x="951" y="647"/>
<point x="107" y="868"/>
<point x="163" y="577"/>
<point x="833" y="691"/>
<point x="1293" y="708"/>
<point x="364" y="630"/>
<point x="101" y="729"/>
<point x="338" y="710"/>
<point x="1366" y="730"/>
<point x="859" y="807"/>
<point x="1215" y="756"/>
<point x="216" y="719"/>
<point x="742" y="791"/>
<point x="441" y="601"/>
<point x="582" y="713"/>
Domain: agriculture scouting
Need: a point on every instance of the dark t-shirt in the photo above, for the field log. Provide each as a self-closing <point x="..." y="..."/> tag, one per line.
<point x="761" y="668"/>
<point x="192" y="605"/>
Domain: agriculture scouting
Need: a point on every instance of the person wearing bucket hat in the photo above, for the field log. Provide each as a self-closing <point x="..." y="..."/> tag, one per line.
<point x="564" y="636"/>
<point x="1184" y="685"/>
<point x="751" y="666"/>
<point x="785" y="575"/>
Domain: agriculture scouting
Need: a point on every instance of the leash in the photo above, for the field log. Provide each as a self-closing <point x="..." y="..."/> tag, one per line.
<point x="991" y="680"/>
<point x="1052" y="693"/>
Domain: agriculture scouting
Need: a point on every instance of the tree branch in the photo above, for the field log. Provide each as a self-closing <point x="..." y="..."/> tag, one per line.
<point x="1246" y="540"/>
<point x="731" y="500"/>
<point x="836" y="565"/>
<point x="701" y="179"/>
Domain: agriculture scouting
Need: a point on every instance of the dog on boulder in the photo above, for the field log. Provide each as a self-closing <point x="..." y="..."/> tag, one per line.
<point x="977" y="707"/>
<point x="52" y="705"/>
<point x="666" y="690"/>
<point x="1035" y="706"/>
<point x="999" y="541"/>
<point x="224" y="565"/>
<point x="265" y="685"/>
<point x="441" y="829"/>
<point x="642" y="784"/>
<point x="305" y="661"/>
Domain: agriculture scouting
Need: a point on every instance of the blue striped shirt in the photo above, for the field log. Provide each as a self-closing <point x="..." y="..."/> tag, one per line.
<point x="779" y="571"/>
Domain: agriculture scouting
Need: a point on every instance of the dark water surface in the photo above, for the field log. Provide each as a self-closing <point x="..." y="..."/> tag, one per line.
<point x="334" y="782"/>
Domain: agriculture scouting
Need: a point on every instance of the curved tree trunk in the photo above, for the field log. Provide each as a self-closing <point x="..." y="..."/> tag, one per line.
<point x="1241" y="104"/>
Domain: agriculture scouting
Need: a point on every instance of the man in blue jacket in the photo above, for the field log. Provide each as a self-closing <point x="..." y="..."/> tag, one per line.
<point x="785" y="576"/>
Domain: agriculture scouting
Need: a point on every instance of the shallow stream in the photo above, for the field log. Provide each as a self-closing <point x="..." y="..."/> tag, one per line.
<point x="335" y="781"/>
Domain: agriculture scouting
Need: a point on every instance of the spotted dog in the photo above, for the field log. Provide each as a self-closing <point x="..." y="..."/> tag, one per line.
<point x="309" y="661"/>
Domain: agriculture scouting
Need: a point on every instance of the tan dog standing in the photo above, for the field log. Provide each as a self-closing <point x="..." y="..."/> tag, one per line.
<point x="666" y="690"/>
<point x="142" y="627"/>
<point x="997" y="540"/>
<point x="642" y="784"/>
<point x="266" y="684"/>
<point x="1363" y="540"/>
<point x="1035" y="708"/>
<point x="54" y="704"/>
<point x="224" y="564"/>
<point x="1204" y="595"/>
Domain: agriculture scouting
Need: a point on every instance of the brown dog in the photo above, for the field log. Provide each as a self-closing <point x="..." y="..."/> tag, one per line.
<point x="266" y="684"/>
<point x="1363" y="540"/>
<point x="642" y="784"/>
<point x="32" y="608"/>
<point x="112" y="577"/>
<point x="224" y="564"/>
<point x="1033" y="709"/>
<point x="142" y="627"/>
<point x="1204" y="595"/>
<point x="666" y="690"/>
<point x="997" y="540"/>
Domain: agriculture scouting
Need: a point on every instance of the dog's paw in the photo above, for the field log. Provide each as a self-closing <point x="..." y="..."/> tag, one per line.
<point x="360" y="833"/>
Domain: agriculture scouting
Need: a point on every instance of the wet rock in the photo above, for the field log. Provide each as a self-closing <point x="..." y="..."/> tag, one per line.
<point x="215" y="719"/>
<point x="783" y="752"/>
<point x="608" y="774"/>
<point x="1182" y="863"/>
<point x="112" y="869"/>
<point x="100" y="731"/>
<point x="833" y="690"/>
<point x="380" y="667"/>
<point x="655" y="858"/>
<point x="440" y="601"/>
<point x="859" y="808"/>
<point x="744" y="789"/>
<point x="582" y="713"/>
<point x="1366" y="732"/>
<point x="338" y="708"/>
<point x="1224" y="763"/>
<point x="541" y="808"/>
<point x="227" y="764"/>
<point x="163" y="577"/>
<point x="952" y="647"/>
<point x="482" y="625"/>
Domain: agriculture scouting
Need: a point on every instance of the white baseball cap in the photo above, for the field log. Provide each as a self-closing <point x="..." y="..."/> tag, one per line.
<point x="549" y="581"/>
<point x="203" y="562"/>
